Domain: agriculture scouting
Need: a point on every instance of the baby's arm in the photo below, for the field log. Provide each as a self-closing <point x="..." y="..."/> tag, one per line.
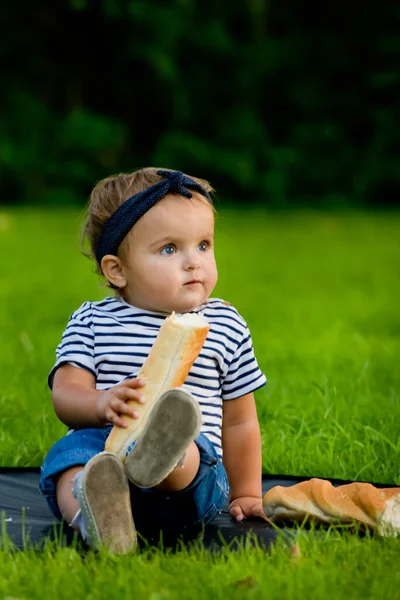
<point x="241" y="440"/>
<point x="78" y="404"/>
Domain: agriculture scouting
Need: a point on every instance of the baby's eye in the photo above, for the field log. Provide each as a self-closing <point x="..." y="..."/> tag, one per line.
<point x="203" y="246"/>
<point x="170" y="249"/>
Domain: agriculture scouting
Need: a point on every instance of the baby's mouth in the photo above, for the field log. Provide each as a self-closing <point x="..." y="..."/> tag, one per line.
<point x="193" y="282"/>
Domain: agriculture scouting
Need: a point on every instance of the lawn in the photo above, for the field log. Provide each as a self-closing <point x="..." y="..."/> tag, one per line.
<point x="320" y="293"/>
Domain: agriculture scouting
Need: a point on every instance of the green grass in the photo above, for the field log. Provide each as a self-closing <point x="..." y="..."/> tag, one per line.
<point x="320" y="293"/>
<point x="340" y="566"/>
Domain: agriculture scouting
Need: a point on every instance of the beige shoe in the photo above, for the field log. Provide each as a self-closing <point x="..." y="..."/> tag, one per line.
<point x="103" y="495"/>
<point x="173" y="424"/>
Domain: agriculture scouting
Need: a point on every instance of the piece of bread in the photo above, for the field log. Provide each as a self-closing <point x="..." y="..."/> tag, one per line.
<point x="355" y="502"/>
<point x="177" y="346"/>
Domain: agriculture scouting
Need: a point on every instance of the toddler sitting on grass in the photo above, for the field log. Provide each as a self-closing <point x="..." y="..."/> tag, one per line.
<point x="151" y="234"/>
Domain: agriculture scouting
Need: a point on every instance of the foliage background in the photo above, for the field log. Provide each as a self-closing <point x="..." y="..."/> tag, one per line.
<point x="275" y="102"/>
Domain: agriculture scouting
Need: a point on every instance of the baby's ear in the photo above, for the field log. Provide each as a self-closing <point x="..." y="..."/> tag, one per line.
<point x="113" y="271"/>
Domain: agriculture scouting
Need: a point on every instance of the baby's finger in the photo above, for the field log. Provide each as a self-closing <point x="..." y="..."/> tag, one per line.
<point x="115" y="419"/>
<point x="132" y="382"/>
<point x="125" y="393"/>
<point x="120" y="407"/>
<point x="237" y="513"/>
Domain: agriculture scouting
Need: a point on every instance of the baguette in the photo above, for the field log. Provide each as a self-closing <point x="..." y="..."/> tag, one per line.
<point x="373" y="507"/>
<point x="177" y="346"/>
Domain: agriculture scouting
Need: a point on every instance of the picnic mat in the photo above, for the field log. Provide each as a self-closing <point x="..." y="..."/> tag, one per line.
<point x="27" y="520"/>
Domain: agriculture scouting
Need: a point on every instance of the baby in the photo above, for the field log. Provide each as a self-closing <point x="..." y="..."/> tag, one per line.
<point x="151" y="234"/>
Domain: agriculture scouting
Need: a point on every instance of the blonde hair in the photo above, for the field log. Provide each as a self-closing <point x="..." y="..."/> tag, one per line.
<point x="108" y="194"/>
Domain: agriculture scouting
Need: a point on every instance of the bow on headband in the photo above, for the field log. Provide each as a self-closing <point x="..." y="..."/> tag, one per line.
<point x="130" y="211"/>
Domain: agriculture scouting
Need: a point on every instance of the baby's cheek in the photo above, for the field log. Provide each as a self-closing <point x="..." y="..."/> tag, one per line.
<point x="212" y="273"/>
<point x="162" y="277"/>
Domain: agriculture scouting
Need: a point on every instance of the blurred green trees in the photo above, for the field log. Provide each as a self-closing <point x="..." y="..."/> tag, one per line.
<point x="273" y="102"/>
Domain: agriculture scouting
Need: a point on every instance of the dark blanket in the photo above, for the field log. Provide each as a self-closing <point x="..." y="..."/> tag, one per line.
<point x="28" y="521"/>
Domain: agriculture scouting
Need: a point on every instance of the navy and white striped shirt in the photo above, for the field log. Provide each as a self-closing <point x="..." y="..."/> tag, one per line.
<point x="112" y="338"/>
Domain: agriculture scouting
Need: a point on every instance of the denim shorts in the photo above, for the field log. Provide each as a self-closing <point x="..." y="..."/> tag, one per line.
<point x="195" y="505"/>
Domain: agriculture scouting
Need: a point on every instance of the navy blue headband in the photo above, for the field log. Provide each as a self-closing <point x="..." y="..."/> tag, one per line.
<point x="130" y="211"/>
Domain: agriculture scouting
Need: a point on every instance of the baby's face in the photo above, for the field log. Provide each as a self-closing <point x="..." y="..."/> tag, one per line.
<point x="171" y="264"/>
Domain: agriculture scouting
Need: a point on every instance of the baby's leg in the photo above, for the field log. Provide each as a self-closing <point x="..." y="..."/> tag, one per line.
<point x="184" y="473"/>
<point x="170" y="431"/>
<point x="193" y="506"/>
<point x="93" y="495"/>
<point x="97" y="503"/>
<point x="67" y="504"/>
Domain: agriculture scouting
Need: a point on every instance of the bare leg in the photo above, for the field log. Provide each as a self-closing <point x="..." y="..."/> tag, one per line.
<point x="105" y="518"/>
<point x="182" y="476"/>
<point x="67" y="504"/>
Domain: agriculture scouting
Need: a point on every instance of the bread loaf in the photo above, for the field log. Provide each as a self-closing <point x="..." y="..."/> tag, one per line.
<point x="376" y="508"/>
<point x="177" y="346"/>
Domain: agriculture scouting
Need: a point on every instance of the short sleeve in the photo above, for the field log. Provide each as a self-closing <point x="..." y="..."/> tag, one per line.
<point x="76" y="347"/>
<point x="243" y="375"/>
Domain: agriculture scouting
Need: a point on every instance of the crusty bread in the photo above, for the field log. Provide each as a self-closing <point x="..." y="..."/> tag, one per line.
<point x="177" y="346"/>
<point x="354" y="502"/>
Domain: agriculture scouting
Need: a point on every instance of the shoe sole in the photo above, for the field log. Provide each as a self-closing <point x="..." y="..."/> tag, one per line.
<point x="138" y="425"/>
<point x="104" y="498"/>
<point x="173" y="424"/>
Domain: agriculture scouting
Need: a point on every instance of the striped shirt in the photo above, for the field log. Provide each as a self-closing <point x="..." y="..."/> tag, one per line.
<point x="112" y="338"/>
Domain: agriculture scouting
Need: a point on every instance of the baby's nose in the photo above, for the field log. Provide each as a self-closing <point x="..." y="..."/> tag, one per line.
<point x="192" y="262"/>
<point x="192" y="266"/>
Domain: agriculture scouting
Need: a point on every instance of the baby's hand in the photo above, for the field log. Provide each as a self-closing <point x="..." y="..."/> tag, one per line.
<point x="247" y="507"/>
<point x="112" y="403"/>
